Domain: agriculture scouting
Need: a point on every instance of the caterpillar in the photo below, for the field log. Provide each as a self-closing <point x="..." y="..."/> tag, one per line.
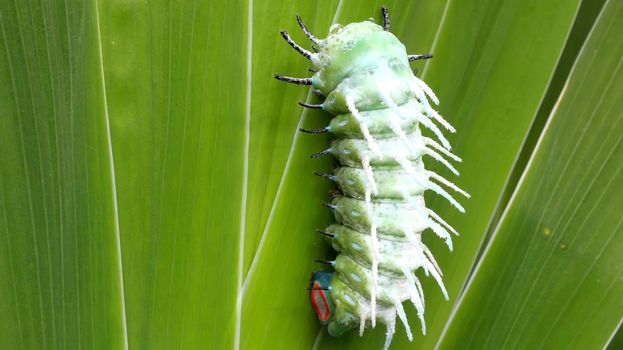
<point x="378" y="105"/>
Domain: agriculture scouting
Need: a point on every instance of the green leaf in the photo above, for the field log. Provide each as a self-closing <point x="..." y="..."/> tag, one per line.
<point x="552" y="275"/>
<point x="274" y="111"/>
<point x="155" y="193"/>
<point x="59" y="247"/>
<point x="176" y="75"/>
<point x="617" y="340"/>
<point x="584" y="20"/>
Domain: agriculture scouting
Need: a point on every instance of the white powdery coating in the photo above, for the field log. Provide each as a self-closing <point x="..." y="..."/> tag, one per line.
<point x="426" y="89"/>
<point x="405" y="149"/>
<point x="426" y="259"/>
<point x="416" y="298"/>
<point x="424" y="120"/>
<point x="375" y="271"/>
<point x="403" y="317"/>
<point x="436" y="146"/>
<point x="394" y="122"/>
<point x="375" y="258"/>
<point x="389" y="334"/>
<point x="434" y="215"/>
<point x="448" y="183"/>
<point x="362" y="322"/>
<point x="364" y="128"/>
<point x="369" y="174"/>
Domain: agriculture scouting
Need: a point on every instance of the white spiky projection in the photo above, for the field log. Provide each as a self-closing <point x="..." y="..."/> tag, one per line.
<point x="378" y="106"/>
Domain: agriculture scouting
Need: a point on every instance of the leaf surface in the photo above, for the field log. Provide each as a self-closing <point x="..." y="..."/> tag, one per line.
<point x="177" y="83"/>
<point x="59" y="248"/>
<point x="552" y="275"/>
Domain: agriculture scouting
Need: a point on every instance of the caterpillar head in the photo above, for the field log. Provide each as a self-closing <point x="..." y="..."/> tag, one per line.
<point x="319" y="293"/>
<point x="339" y="320"/>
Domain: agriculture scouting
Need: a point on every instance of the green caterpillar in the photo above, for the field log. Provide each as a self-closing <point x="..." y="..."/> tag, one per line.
<point x="379" y="106"/>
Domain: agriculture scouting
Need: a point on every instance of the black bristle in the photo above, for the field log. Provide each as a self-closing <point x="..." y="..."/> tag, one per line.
<point x="323" y="232"/>
<point x="323" y="262"/>
<point x="321" y="153"/>
<point x="419" y="57"/>
<point x="314" y="131"/>
<point x="330" y="206"/>
<point x="307" y="105"/>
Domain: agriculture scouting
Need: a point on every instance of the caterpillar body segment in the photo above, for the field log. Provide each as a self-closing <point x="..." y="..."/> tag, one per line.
<point x="379" y="108"/>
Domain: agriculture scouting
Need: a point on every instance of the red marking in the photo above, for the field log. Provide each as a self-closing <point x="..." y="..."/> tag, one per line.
<point x="319" y="301"/>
